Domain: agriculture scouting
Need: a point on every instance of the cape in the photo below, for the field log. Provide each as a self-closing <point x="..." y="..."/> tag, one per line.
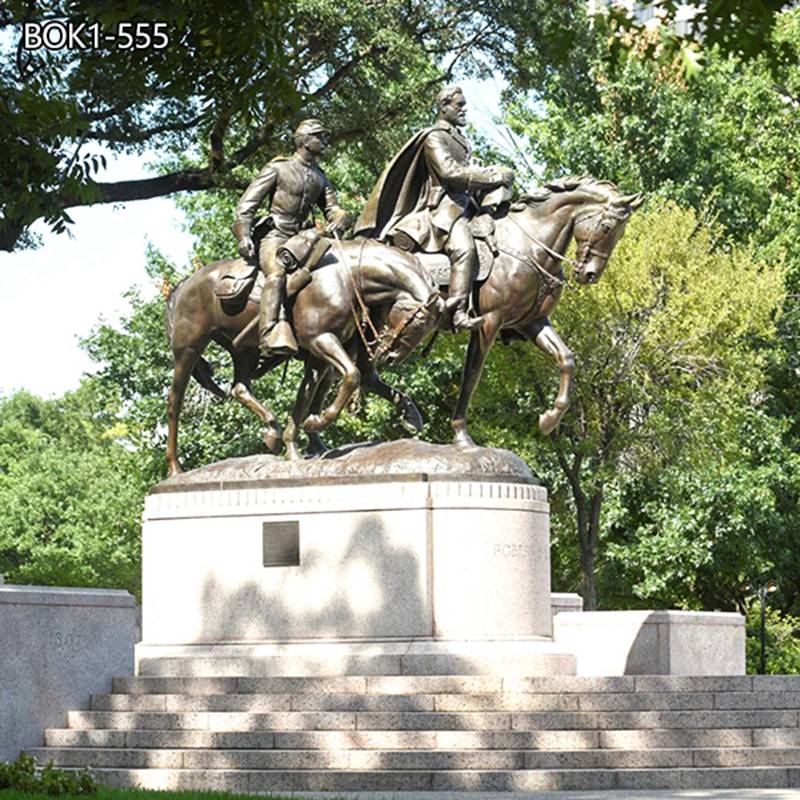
<point x="398" y="190"/>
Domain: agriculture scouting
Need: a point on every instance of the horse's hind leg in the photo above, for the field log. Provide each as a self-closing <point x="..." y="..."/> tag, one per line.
<point x="185" y="359"/>
<point x="548" y="340"/>
<point x="315" y="374"/>
<point x="328" y="348"/>
<point x="316" y="445"/>
<point x="372" y="382"/>
<point x="244" y="365"/>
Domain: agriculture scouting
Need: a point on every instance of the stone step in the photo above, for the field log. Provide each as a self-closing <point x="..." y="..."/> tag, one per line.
<point x="419" y="740"/>
<point x="417" y="759"/>
<point x="450" y="780"/>
<point x="332" y="701"/>
<point x="537" y="659"/>
<point x="448" y="684"/>
<point x="435" y="720"/>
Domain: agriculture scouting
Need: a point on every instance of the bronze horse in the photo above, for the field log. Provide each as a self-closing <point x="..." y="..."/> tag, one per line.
<point x="527" y="278"/>
<point x="353" y="281"/>
<point x="516" y="301"/>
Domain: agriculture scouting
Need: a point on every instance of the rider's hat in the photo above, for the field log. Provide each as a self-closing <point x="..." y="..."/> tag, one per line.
<point x="309" y="126"/>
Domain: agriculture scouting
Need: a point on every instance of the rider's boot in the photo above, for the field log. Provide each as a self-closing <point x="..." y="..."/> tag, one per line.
<point x="460" y="285"/>
<point x="275" y="334"/>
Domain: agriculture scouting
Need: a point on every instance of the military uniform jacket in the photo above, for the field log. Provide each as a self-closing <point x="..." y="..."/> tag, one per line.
<point x="294" y="188"/>
<point x="426" y="188"/>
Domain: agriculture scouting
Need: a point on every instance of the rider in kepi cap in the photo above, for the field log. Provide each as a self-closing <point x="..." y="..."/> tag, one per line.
<point x="294" y="185"/>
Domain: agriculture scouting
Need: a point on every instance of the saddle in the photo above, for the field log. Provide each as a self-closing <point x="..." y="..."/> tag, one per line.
<point x="482" y="226"/>
<point x="243" y="281"/>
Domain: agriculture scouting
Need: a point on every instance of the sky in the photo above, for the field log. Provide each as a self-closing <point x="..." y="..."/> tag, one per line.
<point x="56" y="294"/>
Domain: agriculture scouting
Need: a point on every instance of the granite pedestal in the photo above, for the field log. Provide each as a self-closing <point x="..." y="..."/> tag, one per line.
<point x="402" y="558"/>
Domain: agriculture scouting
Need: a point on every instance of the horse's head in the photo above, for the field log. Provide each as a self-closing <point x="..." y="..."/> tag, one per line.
<point x="597" y="228"/>
<point x="407" y="324"/>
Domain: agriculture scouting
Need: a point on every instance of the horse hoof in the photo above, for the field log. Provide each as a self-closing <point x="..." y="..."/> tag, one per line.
<point x="292" y="453"/>
<point x="412" y="421"/>
<point x="316" y="447"/>
<point x="548" y="421"/>
<point x="272" y="440"/>
<point x="463" y="440"/>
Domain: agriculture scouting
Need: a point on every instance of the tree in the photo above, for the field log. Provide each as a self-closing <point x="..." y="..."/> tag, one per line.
<point x="725" y="144"/>
<point x="70" y="493"/>
<point x="667" y="361"/>
<point x="234" y="80"/>
<point x="673" y="27"/>
<point x="697" y="538"/>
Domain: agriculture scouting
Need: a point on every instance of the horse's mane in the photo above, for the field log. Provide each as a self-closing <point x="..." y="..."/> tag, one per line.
<point x="606" y="189"/>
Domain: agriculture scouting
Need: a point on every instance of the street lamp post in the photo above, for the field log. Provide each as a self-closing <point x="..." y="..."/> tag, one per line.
<point x="770" y="587"/>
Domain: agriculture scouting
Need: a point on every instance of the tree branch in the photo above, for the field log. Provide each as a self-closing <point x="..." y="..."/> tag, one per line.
<point x="117" y="135"/>
<point x="145" y="188"/>
<point x="347" y="68"/>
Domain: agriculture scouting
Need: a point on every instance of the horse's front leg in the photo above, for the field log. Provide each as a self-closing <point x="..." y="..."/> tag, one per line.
<point x="551" y="343"/>
<point x="245" y="362"/>
<point x="372" y="382"/>
<point x="328" y="348"/>
<point x="480" y="342"/>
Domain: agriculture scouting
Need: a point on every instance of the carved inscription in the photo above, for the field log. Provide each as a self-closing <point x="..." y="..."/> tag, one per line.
<point x="67" y="643"/>
<point x="512" y="550"/>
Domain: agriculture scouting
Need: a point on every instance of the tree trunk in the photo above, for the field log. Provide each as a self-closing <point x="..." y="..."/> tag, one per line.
<point x="582" y="519"/>
<point x="589" y="549"/>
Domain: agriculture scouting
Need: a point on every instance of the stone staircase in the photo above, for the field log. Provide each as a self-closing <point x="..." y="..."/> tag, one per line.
<point x="401" y="732"/>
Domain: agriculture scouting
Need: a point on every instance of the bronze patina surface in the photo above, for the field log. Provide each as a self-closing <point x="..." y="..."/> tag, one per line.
<point x="369" y="302"/>
<point x="387" y="461"/>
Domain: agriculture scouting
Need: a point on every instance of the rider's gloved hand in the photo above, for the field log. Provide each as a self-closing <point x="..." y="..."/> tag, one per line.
<point x="339" y="224"/>
<point x="506" y="176"/>
<point x="246" y="247"/>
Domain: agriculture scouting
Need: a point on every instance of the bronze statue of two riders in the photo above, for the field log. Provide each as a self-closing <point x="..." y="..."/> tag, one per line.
<point x="354" y="305"/>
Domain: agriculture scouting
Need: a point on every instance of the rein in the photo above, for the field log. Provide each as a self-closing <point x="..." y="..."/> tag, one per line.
<point x="383" y="341"/>
<point x="588" y="249"/>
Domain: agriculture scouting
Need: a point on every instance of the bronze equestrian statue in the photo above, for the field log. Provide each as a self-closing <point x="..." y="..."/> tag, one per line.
<point x="426" y="195"/>
<point x="430" y="196"/>
<point x="356" y="285"/>
<point x="294" y="185"/>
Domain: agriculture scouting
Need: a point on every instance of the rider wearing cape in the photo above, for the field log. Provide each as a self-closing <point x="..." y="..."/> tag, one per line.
<point x="426" y="195"/>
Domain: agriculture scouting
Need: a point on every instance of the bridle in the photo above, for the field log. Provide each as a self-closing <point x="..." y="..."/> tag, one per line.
<point x="589" y="248"/>
<point x="384" y="340"/>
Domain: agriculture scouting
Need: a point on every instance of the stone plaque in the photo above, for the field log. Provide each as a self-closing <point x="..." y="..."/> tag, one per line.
<point x="281" y="543"/>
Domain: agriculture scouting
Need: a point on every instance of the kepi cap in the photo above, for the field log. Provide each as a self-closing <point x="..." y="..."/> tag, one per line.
<point x="309" y="126"/>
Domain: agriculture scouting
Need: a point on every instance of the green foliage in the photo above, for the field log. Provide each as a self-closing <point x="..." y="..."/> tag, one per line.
<point x="231" y="85"/>
<point x="24" y="775"/>
<point x="692" y="538"/>
<point x="735" y="28"/>
<point x="706" y="488"/>
<point x="727" y="142"/>
<point x="782" y="641"/>
<point x="667" y="365"/>
<point x="70" y="492"/>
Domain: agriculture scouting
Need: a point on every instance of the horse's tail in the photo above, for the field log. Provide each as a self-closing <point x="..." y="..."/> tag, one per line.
<point x="203" y="371"/>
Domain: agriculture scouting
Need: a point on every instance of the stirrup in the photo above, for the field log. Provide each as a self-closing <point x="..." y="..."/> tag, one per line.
<point x="278" y="340"/>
